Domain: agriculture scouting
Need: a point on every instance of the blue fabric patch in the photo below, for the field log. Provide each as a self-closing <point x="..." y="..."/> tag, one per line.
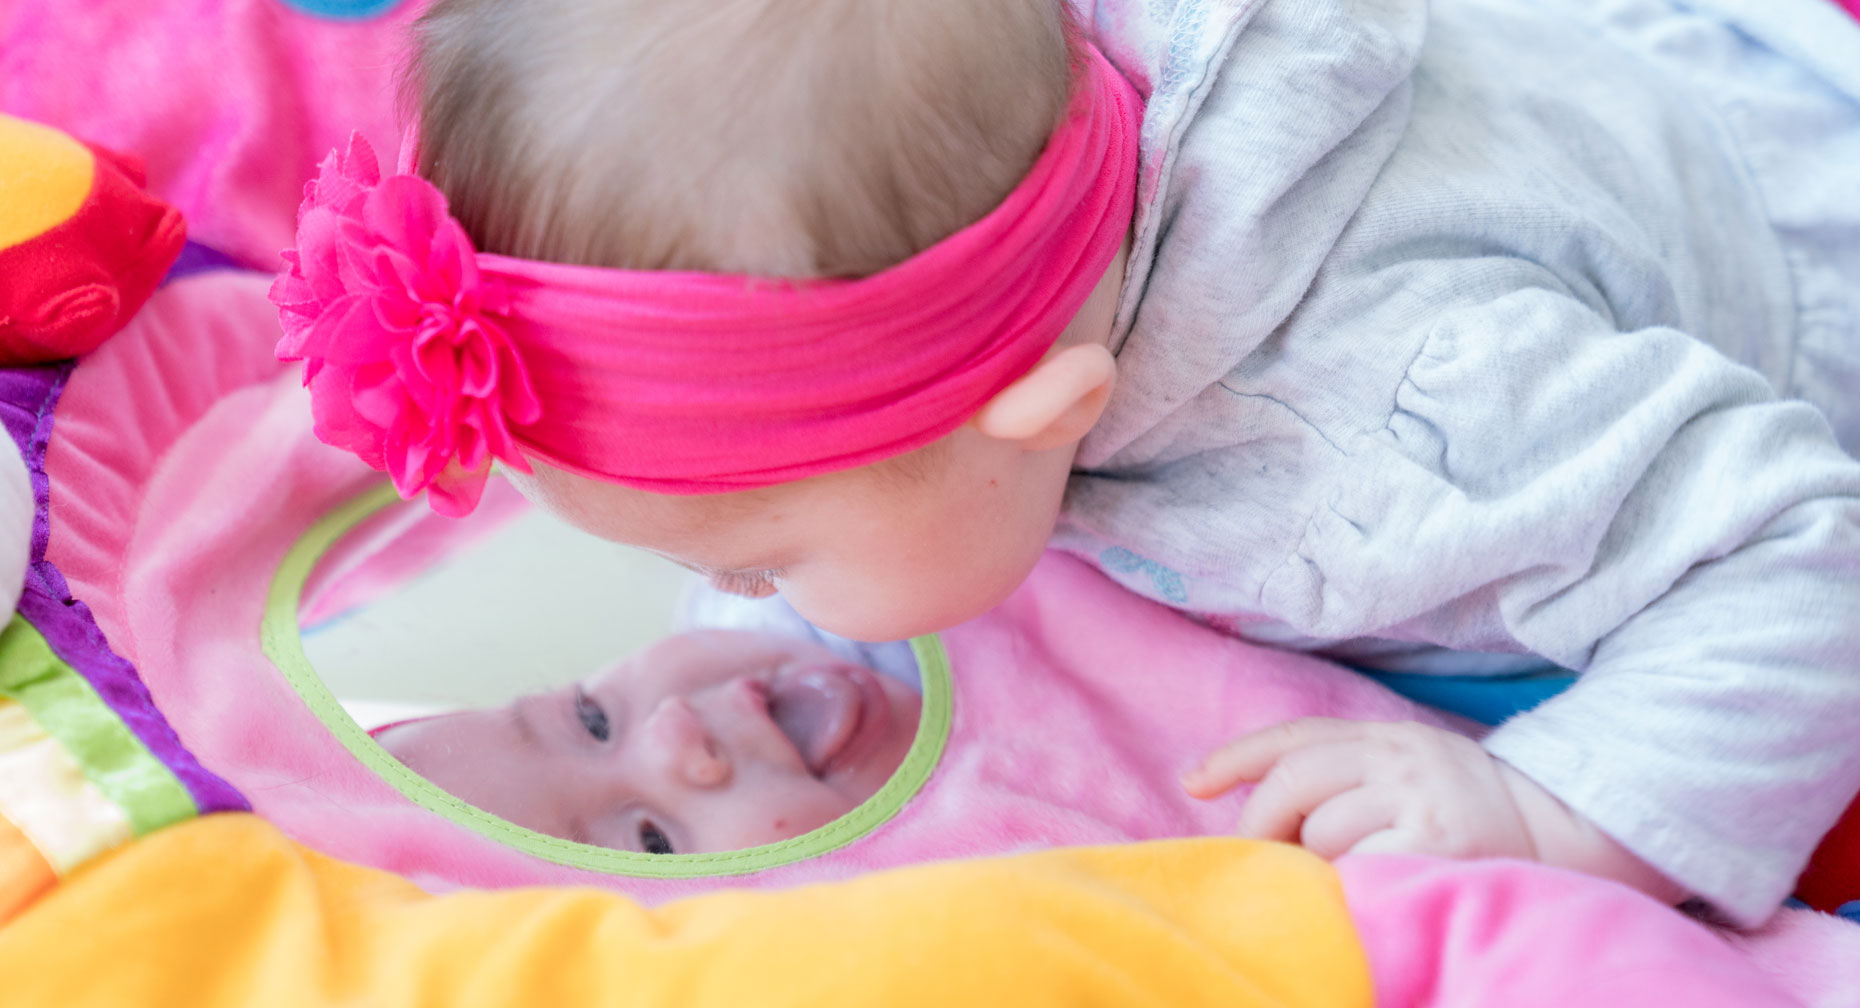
<point x="1850" y="911"/>
<point x="1485" y="699"/>
<point x="344" y="10"/>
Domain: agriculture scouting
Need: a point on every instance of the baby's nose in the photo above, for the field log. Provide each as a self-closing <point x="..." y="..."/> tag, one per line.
<point x="690" y="753"/>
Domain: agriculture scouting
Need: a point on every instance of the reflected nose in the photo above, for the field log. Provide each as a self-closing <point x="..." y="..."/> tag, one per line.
<point x="679" y="738"/>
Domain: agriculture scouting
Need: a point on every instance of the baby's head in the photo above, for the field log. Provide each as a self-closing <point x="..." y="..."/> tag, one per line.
<point x="707" y="741"/>
<point x="786" y="138"/>
<point x="783" y="138"/>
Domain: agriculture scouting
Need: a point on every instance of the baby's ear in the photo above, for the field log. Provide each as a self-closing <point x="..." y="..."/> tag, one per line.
<point x="1054" y="404"/>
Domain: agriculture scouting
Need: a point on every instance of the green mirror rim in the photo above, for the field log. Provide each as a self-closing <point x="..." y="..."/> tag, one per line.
<point x="283" y="645"/>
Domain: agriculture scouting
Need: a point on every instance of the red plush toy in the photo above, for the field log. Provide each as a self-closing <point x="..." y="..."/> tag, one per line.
<point x="82" y="244"/>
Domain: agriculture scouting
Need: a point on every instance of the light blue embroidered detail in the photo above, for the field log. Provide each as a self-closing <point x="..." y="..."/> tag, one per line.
<point x="1183" y="57"/>
<point x="1169" y="585"/>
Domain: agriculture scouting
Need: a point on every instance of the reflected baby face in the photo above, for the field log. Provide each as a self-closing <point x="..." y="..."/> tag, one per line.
<point x="707" y="741"/>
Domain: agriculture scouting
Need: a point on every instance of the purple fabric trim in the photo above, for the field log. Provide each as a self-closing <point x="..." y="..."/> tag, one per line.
<point x="27" y="398"/>
<point x="196" y="258"/>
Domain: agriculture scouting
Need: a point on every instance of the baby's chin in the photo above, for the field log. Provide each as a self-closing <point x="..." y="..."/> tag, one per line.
<point x="926" y="616"/>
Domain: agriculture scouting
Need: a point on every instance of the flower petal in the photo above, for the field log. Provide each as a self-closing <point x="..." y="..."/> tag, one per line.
<point x="406" y="211"/>
<point x="348" y="333"/>
<point x="397" y="311"/>
<point x="336" y="421"/>
<point x="477" y="363"/>
<point x="453" y="256"/>
<point x="378" y="397"/>
<point x="319" y="252"/>
<point x="355" y="169"/>
<point x="516" y="395"/>
<point x="495" y="434"/>
<point x="470" y="450"/>
<point x="456" y="490"/>
<point x="432" y="369"/>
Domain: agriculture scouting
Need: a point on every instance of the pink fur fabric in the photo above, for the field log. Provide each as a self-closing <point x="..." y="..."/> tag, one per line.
<point x="229" y="104"/>
<point x="1814" y="955"/>
<point x="1473" y="934"/>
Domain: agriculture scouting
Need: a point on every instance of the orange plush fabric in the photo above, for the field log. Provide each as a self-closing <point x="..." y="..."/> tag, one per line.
<point x="82" y="244"/>
<point x="223" y="911"/>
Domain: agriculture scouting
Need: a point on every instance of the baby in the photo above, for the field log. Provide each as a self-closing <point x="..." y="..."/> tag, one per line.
<point x="1443" y="336"/>
<point x="718" y="739"/>
<point x="710" y="740"/>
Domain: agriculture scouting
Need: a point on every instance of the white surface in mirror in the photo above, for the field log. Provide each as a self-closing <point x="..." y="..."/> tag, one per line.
<point x="532" y="605"/>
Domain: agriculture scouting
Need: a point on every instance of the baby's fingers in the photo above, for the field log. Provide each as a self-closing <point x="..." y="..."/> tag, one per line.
<point x="1393" y="840"/>
<point x="1250" y="756"/>
<point x="1296" y="786"/>
<point x="1346" y="821"/>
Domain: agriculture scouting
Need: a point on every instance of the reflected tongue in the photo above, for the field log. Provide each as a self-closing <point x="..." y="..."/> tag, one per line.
<point x="817" y="709"/>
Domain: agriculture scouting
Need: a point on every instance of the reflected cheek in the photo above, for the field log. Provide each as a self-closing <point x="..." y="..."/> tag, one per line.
<point x="769" y="812"/>
<point x="546" y="802"/>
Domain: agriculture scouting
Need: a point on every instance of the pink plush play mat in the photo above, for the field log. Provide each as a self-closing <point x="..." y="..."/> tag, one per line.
<point x="187" y="518"/>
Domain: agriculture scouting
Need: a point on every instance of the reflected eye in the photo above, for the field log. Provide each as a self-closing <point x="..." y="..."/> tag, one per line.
<point x="593" y="718"/>
<point x="652" y="839"/>
<point x="749" y="584"/>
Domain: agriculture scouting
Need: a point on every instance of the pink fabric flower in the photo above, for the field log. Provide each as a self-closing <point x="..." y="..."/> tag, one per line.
<point x="406" y="360"/>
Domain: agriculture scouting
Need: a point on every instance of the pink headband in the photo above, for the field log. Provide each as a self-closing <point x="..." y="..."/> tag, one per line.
<point x="429" y="359"/>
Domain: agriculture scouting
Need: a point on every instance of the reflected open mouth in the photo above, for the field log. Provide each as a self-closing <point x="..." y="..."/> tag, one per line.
<point x="827" y="711"/>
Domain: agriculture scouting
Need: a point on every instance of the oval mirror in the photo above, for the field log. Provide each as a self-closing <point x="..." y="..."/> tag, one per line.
<point x="591" y="692"/>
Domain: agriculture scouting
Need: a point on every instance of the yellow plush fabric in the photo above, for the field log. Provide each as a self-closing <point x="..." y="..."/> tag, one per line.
<point x="44" y="177"/>
<point x="224" y="911"/>
<point x="24" y="872"/>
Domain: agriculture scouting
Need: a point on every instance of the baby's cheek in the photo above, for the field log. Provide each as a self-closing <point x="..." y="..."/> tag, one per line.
<point x="801" y="809"/>
<point x="821" y="806"/>
<point x="761" y="808"/>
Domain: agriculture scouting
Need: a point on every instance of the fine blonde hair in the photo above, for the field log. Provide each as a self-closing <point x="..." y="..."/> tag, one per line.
<point x="789" y="138"/>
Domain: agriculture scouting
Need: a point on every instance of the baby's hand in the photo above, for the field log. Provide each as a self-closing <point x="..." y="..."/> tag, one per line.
<point x="1341" y="787"/>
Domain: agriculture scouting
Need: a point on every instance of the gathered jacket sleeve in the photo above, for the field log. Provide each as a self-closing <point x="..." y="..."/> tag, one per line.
<point x="1639" y="508"/>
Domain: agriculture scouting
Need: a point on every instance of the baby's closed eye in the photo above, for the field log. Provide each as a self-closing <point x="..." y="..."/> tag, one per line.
<point x="747" y="583"/>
